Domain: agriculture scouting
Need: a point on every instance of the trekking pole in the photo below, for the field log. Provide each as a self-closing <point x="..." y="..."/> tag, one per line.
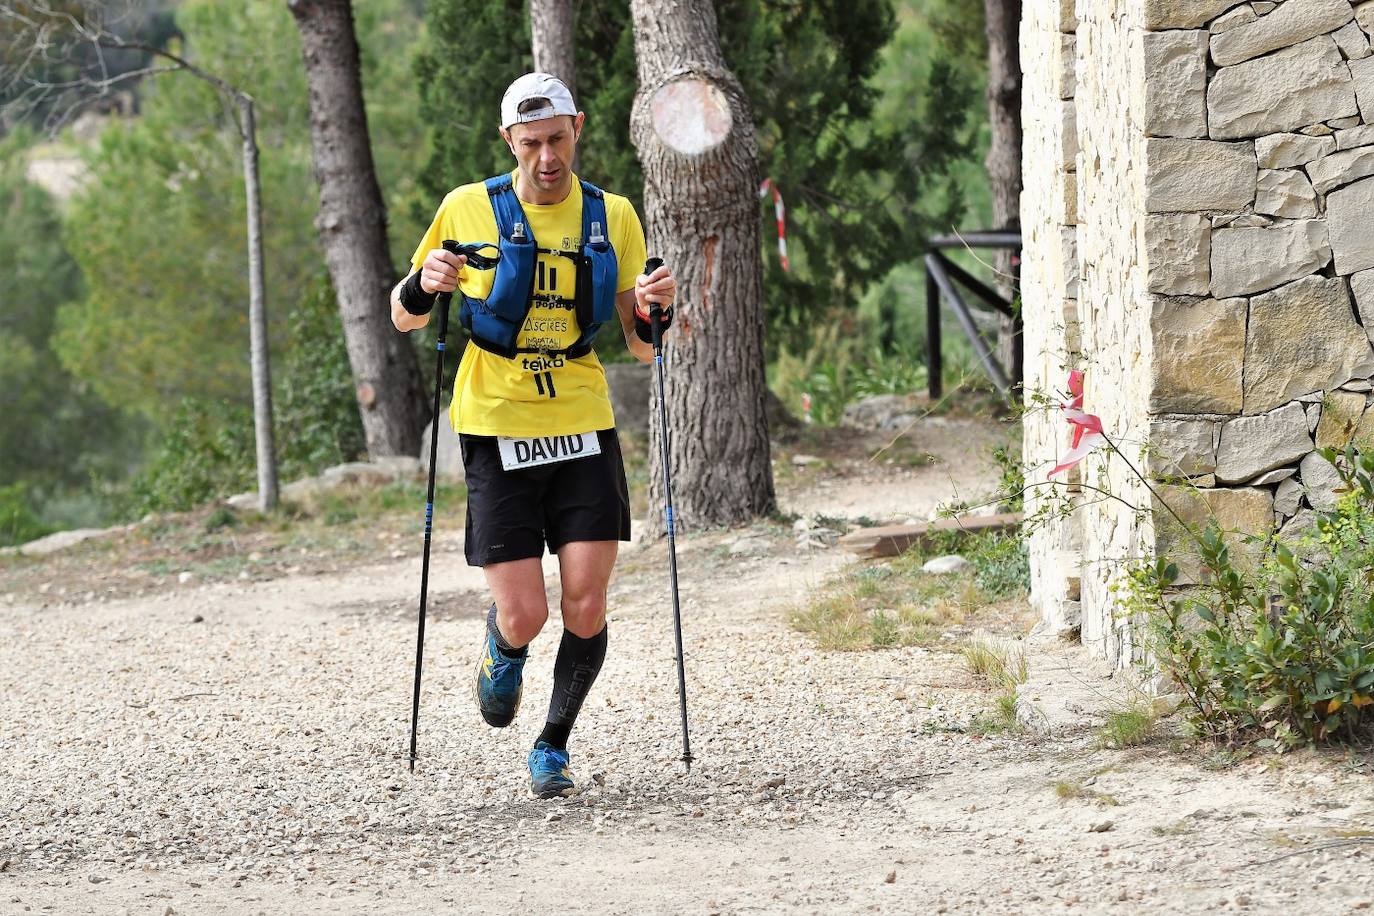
<point x="656" y="326"/>
<point x="441" y="303"/>
<point x="480" y="262"/>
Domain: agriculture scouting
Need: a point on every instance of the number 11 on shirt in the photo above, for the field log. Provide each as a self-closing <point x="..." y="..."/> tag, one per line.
<point x="543" y="382"/>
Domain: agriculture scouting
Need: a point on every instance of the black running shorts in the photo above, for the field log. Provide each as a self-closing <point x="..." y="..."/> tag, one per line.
<point x="513" y="514"/>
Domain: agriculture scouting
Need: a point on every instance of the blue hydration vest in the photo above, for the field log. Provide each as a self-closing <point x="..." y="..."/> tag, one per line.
<point x="494" y="323"/>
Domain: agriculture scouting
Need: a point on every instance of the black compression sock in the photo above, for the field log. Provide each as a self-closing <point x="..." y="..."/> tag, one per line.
<point x="505" y="647"/>
<point x="574" y="671"/>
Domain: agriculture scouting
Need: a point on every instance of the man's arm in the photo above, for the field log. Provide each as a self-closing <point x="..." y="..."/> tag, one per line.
<point x="403" y="320"/>
<point x="439" y="273"/>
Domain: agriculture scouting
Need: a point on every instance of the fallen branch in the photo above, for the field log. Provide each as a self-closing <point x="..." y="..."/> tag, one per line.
<point x="1358" y="841"/>
<point x="896" y="539"/>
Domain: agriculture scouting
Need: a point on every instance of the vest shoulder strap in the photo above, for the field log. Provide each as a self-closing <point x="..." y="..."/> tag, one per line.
<point x="593" y="211"/>
<point x="505" y="205"/>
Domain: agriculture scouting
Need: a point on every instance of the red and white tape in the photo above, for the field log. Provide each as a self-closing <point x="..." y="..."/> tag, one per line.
<point x="1088" y="433"/>
<point x="781" y="212"/>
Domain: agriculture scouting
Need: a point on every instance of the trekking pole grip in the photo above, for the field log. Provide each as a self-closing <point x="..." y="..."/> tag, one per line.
<point x="655" y="309"/>
<point x="444" y="299"/>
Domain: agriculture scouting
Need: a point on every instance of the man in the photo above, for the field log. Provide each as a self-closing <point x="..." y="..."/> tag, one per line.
<point x="530" y="402"/>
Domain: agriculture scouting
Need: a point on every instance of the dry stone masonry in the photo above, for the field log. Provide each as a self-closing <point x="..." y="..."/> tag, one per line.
<point x="1199" y="184"/>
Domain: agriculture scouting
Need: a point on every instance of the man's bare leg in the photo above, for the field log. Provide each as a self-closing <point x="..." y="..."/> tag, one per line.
<point x="584" y="567"/>
<point x="522" y="608"/>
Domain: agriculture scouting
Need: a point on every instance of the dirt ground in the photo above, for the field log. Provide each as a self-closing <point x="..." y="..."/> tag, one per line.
<point x="238" y="746"/>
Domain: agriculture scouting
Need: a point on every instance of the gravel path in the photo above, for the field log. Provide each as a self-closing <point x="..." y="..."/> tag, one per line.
<point x="253" y="761"/>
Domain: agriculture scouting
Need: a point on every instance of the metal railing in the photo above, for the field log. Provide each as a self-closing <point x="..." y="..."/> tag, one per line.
<point x="942" y="275"/>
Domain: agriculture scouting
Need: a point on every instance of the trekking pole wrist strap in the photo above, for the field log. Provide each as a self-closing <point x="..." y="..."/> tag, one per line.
<point x="414" y="299"/>
<point x="644" y="330"/>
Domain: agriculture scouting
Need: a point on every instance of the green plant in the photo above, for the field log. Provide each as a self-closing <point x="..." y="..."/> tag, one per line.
<point x="1001" y="564"/>
<point x="835" y="369"/>
<point x="1285" y="651"/>
<point x="206" y="451"/>
<point x="1130" y="726"/>
<point x="220" y="517"/>
<point x="317" y="409"/>
<point x="19" y="522"/>
<point x="1011" y="482"/>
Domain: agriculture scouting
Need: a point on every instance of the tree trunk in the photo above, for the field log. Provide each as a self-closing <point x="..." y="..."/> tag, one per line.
<point x="1004" y="152"/>
<point x="694" y="131"/>
<point x="352" y="225"/>
<point x="551" y="39"/>
<point x="257" y="314"/>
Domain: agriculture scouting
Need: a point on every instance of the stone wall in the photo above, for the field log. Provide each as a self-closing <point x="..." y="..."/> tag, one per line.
<point x="1049" y="277"/>
<point x="1225" y="176"/>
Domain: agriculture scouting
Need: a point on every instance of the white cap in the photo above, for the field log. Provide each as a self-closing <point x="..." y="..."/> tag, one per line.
<point x="536" y="86"/>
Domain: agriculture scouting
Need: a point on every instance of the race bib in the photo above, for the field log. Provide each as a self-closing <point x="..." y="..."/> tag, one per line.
<point x="532" y="452"/>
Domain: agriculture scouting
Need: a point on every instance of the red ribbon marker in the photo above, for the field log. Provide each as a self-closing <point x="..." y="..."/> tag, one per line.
<point x="1087" y="428"/>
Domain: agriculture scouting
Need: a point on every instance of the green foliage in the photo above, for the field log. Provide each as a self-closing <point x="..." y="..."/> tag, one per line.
<point x="161" y="327"/>
<point x="474" y="52"/>
<point x="55" y="434"/>
<point x="317" y="413"/>
<point x="158" y="233"/>
<point x="836" y="369"/>
<point x="1011" y="478"/>
<point x="19" y="521"/>
<point x="1001" y="564"/>
<point x="207" y="451"/>
<point x="1130" y="726"/>
<point x="1285" y="651"/>
<point x="387" y="32"/>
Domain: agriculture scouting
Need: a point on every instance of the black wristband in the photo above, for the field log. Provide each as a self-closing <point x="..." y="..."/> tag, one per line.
<point x="645" y="332"/>
<point x="414" y="299"/>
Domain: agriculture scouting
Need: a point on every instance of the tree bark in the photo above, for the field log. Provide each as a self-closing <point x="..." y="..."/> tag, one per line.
<point x="694" y="132"/>
<point x="257" y="313"/>
<point x="1004" y="152"/>
<point x="551" y="39"/>
<point x="352" y="225"/>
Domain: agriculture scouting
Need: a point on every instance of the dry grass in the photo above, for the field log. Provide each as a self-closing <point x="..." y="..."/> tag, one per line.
<point x="999" y="663"/>
<point x="1066" y="790"/>
<point x="883" y="606"/>
<point x="893" y="603"/>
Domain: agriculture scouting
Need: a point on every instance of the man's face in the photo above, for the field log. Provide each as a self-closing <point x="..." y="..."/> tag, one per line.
<point x="544" y="150"/>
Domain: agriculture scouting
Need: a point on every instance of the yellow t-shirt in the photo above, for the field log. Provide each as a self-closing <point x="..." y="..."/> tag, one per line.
<point x="531" y="395"/>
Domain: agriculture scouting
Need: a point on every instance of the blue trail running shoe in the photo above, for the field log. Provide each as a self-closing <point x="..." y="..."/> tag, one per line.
<point x="499" y="678"/>
<point x="549" y="773"/>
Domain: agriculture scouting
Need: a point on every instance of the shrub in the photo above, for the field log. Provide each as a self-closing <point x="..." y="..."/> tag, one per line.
<point x="19" y="522"/>
<point x="1130" y="726"/>
<point x="209" y="448"/>
<point x="837" y="368"/>
<point x="317" y="418"/>
<point x="1285" y="652"/>
<point x="207" y="451"/>
<point x="1001" y="565"/>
